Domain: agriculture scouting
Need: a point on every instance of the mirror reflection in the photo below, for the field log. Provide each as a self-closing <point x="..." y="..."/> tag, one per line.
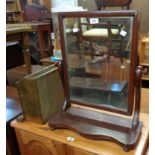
<point x="98" y="57"/>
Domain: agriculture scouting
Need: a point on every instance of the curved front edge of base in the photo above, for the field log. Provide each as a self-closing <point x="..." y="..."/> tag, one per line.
<point x="127" y="139"/>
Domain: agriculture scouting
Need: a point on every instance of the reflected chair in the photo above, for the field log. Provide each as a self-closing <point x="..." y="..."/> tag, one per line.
<point x="100" y="32"/>
<point x="109" y="31"/>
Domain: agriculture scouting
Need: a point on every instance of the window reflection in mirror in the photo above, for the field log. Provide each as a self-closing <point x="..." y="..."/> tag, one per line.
<point x="98" y="57"/>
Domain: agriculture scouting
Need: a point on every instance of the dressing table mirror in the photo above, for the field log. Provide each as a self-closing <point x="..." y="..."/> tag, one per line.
<point x="101" y="76"/>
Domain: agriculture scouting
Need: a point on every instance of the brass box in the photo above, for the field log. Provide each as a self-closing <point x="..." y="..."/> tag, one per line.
<point x="17" y="73"/>
<point x="41" y="94"/>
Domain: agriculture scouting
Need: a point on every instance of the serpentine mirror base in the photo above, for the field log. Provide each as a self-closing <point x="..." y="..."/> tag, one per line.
<point x="96" y="126"/>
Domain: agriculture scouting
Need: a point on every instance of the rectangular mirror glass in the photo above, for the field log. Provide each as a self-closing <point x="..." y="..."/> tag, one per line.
<point x="97" y="54"/>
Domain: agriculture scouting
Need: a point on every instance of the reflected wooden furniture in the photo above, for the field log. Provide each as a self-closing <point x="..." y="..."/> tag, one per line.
<point x="124" y="4"/>
<point x="97" y="84"/>
<point x="92" y="34"/>
<point x="35" y="139"/>
<point x="100" y="86"/>
<point x="106" y="70"/>
<point x="115" y="71"/>
<point x="101" y="31"/>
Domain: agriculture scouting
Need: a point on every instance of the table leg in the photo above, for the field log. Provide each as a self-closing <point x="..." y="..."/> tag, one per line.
<point x="26" y="52"/>
<point x="41" y="44"/>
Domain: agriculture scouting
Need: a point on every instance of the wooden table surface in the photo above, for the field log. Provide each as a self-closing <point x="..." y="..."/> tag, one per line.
<point x="100" y="147"/>
<point x="19" y="31"/>
<point x="21" y="27"/>
<point x="17" y="28"/>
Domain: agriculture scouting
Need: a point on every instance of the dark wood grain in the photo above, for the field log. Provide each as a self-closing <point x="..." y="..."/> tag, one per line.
<point x="89" y="129"/>
<point x="98" y="117"/>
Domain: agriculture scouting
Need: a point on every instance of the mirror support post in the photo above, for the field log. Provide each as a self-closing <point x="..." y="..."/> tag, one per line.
<point x="138" y="96"/>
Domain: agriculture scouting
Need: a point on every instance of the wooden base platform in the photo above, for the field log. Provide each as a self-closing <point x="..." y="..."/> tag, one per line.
<point x="96" y="126"/>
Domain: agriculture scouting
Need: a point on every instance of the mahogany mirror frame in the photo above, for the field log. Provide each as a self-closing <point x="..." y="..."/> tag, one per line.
<point x="133" y="55"/>
<point x="96" y="122"/>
